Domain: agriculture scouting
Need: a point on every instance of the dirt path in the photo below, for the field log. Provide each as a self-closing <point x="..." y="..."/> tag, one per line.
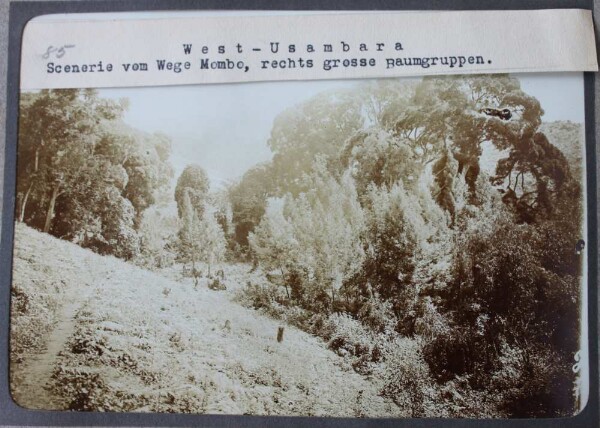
<point x="35" y="373"/>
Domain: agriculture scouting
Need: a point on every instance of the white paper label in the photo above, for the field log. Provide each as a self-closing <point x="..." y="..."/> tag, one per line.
<point x="65" y="52"/>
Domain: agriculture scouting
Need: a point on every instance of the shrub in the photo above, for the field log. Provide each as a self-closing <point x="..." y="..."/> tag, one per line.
<point x="298" y="317"/>
<point x="430" y="324"/>
<point x="349" y="336"/>
<point x="258" y="296"/>
<point x="408" y="382"/>
<point x="217" y="284"/>
<point x="543" y="387"/>
<point x="319" y="325"/>
<point x="87" y="391"/>
<point x="266" y="298"/>
<point x="19" y="300"/>
<point x="377" y="314"/>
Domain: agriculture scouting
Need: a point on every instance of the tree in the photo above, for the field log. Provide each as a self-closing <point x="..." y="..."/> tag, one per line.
<point x="190" y="234"/>
<point x="457" y="108"/>
<point x="84" y="175"/>
<point x="328" y="223"/>
<point x="316" y="234"/>
<point x="148" y="170"/>
<point x="96" y="215"/>
<point x="400" y="225"/>
<point x="523" y="348"/>
<point x="156" y="232"/>
<point x="493" y="271"/>
<point x="57" y="135"/>
<point x="444" y="171"/>
<point x="274" y="245"/>
<point x="378" y="158"/>
<point x="194" y="182"/>
<point x="221" y="202"/>
<point x="541" y="173"/>
<point x="145" y="159"/>
<point x="212" y="239"/>
<point x="384" y="100"/>
<point x="122" y="167"/>
<point x="201" y="239"/>
<point x="388" y="200"/>
<point x="316" y="128"/>
<point x="119" y="236"/>
<point x="249" y="201"/>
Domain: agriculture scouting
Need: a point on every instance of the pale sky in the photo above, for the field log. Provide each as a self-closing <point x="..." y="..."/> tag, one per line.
<point x="225" y="128"/>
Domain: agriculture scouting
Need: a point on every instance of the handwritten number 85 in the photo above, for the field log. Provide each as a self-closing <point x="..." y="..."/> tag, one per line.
<point x="58" y="52"/>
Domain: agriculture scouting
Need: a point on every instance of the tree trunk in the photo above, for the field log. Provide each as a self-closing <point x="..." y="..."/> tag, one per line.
<point x="332" y="300"/>
<point x="285" y="283"/>
<point x="37" y="159"/>
<point x="24" y="203"/>
<point x="194" y="273"/>
<point x="26" y="197"/>
<point x="50" y="213"/>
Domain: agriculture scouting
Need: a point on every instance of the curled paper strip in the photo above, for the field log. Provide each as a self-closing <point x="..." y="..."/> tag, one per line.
<point x="111" y="50"/>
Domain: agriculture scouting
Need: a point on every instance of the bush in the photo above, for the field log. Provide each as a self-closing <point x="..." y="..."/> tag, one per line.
<point x="349" y="336"/>
<point x="19" y="301"/>
<point x="430" y="324"/>
<point x="408" y="382"/>
<point x="543" y="386"/>
<point x="87" y="391"/>
<point x="319" y="325"/>
<point x="266" y="298"/>
<point x="298" y="317"/>
<point x="259" y="296"/>
<point x="448" y="355"/>
<point x="377" y="315"/>
<point x="217" y="284"/>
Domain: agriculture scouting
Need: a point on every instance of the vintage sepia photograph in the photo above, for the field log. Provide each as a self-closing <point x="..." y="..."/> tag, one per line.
<point x="406" y="247"/>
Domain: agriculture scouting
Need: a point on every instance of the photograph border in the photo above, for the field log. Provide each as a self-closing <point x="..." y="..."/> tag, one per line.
<point x="12" y="414"/>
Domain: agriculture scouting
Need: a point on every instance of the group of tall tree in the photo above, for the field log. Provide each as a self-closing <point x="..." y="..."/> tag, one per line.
<point x="201" y="237"/>
<point x="383" y="195"/>
<point x="83" y="175"/>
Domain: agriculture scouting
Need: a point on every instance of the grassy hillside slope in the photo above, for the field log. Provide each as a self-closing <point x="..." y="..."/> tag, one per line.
<point x="95" y="333"/>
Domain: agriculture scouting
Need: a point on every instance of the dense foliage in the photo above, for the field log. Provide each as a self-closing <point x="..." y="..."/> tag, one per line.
<point x="390" y="214"/>
<point x="431" y="243"/>
<point x="83" y="175"/>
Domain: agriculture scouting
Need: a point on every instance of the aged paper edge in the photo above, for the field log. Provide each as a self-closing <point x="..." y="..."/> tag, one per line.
<point x="112" y="51"/>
